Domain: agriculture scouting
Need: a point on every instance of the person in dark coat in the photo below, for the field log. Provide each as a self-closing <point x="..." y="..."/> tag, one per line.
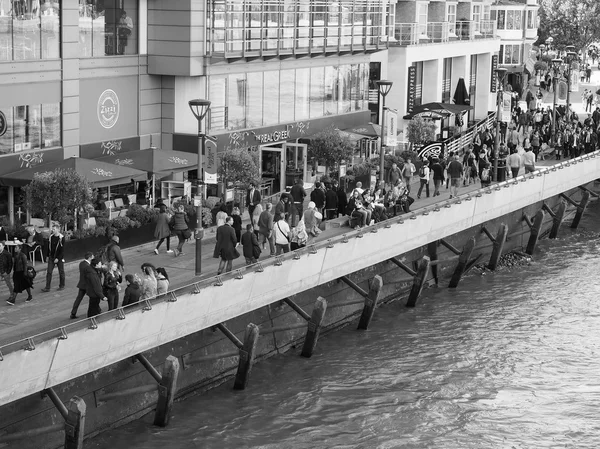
<point x="20" y="280"/>
<point x="6" y="263"/>
<point x="56" y="247"/>
<point x="133" y="292"/>
<point x="342" y="201"/>
<point x="180" y="226"/>
<point x="282" y="206"/>
<point x="162" y="230"/>
<point x="84" y="266"/>
<point x="250" y="245"/>
<point x="113" y="251"/>
<point x="93" y="288"/>
<point x="331" y="203"/>
<point x="110" y="287"/>
<point x="252" y="198"/>
<point x="225" y="247"/>
<point x="317" y="196"/>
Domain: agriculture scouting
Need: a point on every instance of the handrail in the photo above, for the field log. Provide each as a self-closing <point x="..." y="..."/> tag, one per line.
<point x="63" y="332"/>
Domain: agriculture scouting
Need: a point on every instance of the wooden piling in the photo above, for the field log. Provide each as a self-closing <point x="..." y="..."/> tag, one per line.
<point x="463" y="259"/>
<point x="167" y="388"/>
<point x="536" y="227"/>
<point x="314" y="327"/>
<point x="75" y="423"/>
<point x="418" y="282"/>
<point x="370" y="303"/>
<point x="498" y="246"/>
<point x="557" y="219"/>
<point x="433" y="256"/>
<point x="585" y="199"/>
<point x="247" y="354"/>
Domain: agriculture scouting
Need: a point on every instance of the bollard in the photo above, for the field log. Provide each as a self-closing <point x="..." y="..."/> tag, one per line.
<point x="498" y="246"/>
<point x="418" y="282"/>
<point x="536" y="227"/>
<point x="557" y="219"/>
<point x="580" y="209"/>
<point x="247" y="354"/>
<point x="463" y="259"/>
<point x="314" y="327"/>
<point x="370" y="303"/>
<point x="75" y="423"/>
<point x="167" y="388"/>
<point x="433" y="256"/>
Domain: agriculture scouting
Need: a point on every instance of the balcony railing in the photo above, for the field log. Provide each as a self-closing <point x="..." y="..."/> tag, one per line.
<point x="436" y="32"/>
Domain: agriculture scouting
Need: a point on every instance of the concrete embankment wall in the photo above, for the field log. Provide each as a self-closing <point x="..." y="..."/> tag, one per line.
<point x="34" y="411"/>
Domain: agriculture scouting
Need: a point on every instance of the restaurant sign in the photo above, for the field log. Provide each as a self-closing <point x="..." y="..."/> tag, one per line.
<point x="275" y="136"/>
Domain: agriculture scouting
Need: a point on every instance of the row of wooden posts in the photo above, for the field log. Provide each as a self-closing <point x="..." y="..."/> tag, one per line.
<point x="166" y="383"/>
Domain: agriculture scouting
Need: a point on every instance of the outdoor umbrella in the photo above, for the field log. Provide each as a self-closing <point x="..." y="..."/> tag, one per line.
<point x="370" y="130"/>
<point x="437" y="110"/>
<point x="461" y="94"/>
<point x="100" y="173"/>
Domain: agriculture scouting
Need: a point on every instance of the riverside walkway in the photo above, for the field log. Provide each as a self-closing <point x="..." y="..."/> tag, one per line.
<point x="82" y="347"/>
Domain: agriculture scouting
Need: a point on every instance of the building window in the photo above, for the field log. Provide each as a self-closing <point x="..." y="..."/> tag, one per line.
<point x="390" y="18"/>
<point x="108" y="27"/>
<point x="511" y="54"/>
<point x="531" y="22"/>
<point x="513" y="20"/>
<point x="451" y="18"/>
<point x="446" y="80"/>
<point x="477" y="18"/>
<point x="501" y="19"/>
<point x="29" y="30"/>
<point x="486" y="12"/>
<point x="30" y="127"/>
<point x="422" y="19"/>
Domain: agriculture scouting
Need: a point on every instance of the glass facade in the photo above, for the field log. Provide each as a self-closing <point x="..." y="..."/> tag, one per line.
<point x="250" y="27"/>
<point x="108" y="27"/>
<point x="29" y="30"/>
<point x="249" y="100"/>
<point x="30" y="127"/>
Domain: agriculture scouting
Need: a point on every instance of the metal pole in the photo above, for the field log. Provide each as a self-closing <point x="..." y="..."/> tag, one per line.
<point x="497" y="138"/>
<point x="199" y="234"/>
<point x="381" y="151"/>
<point x="554" y="83"/>
<point x="568" y="116"/>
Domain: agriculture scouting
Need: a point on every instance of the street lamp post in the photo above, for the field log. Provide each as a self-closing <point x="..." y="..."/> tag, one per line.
<point x="384" y="87"/>
<point x="199" y="109"/>
<point x="500" y="72"/>
<point x="570" y="57"/>
<point x="555" y="73"/>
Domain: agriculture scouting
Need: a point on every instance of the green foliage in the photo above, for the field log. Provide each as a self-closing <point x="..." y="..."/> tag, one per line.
<point x="408" y="154"/>
<point x="141" y="215"/>
<point x="211" y="201"/>
<point x="540" y="66"/>
<point x="569" y="22"/>
<point x="121" y="223"/>
<point x="58" y="194"/>
<point x="329" y="148"/>
<point x="420" y="131"/>
<point x="362" y="169"/>
<point x="95" y="231"/>
<point x="239" y="166"/>
<point x="206" y="216"/>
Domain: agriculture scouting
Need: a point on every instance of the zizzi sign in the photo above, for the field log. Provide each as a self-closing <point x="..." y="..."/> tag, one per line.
<point x="275" y="136"/>
<point x="108" y="108"/>
<point x="3" y="124"/>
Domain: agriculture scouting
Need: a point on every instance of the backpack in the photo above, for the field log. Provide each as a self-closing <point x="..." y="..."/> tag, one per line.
<point x="485" y="174"/>
<point x="422" y="171"/>
<point x="102" y="254"/>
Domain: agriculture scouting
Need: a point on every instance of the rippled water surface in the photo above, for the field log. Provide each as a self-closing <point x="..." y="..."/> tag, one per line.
<point x="509" y="360"/>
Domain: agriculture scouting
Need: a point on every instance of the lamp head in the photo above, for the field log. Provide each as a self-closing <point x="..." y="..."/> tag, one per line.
<point x="500" y="72"/>
<point x="384" y="86"/>
<point x="556" y="62"/>
<point x="199" y="108"/>
<point x="570" y="48"/>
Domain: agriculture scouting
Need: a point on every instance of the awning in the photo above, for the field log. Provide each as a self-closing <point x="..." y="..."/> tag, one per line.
<point x="159" y="162"/>
<point x="353" y="137"/>
<point x="100" y="173"/>
<point x="369" y="130"/>
<point x="438" y="110"/>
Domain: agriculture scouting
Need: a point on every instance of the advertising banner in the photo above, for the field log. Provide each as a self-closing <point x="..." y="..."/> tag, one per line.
<point x="390" y="127"/>
<point x="494" y="79"/>
<point x="412" y="86"/>
<point x="506" y="104"/>
<point x="210" y="163"/>
<point x="562" y="90"/>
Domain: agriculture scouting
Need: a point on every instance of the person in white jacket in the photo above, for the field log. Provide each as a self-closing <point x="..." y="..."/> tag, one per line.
<point x="281" y="231"/>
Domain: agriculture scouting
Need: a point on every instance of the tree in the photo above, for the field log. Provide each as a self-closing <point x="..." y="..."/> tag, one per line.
<point x="239" y="166"/>
<point x="330" y="148"/>
<point x="58" y="194"/>
<point x="420" y="131"/>
<point x="570" y="22"/>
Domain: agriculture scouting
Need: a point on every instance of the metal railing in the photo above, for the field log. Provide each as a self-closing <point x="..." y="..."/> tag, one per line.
<point x="457" y="144"/>
<point x="439" y="32"/>
<point x="62" y="333"/>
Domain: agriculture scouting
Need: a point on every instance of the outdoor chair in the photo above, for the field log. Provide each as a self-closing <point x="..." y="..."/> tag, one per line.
<point x="32" y="253"/>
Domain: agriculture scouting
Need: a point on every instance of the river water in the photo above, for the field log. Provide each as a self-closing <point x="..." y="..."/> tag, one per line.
<point x="508" y="360"/>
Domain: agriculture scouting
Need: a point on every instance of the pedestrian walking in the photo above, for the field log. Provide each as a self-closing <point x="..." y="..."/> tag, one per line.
<point x="222" y="215"/>
<point x="514" y="162"/>
<point x="438" y="175"/>
<point x="22" y="282"/>
<point x="282" y="235"/>
<point x="317" y="196"/>
<point x="251" y="248"/>
<point x="529" y="161"/>
<point x="253" y="198"/>
<point x="93" y="283"/>
<point x="424" y="173"/>
<point x="162" y="231"/>
<point x="6" y="264"/>
<point x="180" y="226"/>
<point x="225" y="246"/>
<point x="408" y="170"/>
<point x="455" y="173"/>
<point x="162" y="281"/>
<point x="265" y="228"/>
<point x="298" y="194"/>
<point x="149" y="283"/>
<point x="133" y="292"/>
<point x="56" y="246"/>
<point x="110" y="286"/>
<point x="237" y="222"/>
<point x="113" y="252"/>
<point x="84" y="266"/>
<point x="258" y="210"/>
